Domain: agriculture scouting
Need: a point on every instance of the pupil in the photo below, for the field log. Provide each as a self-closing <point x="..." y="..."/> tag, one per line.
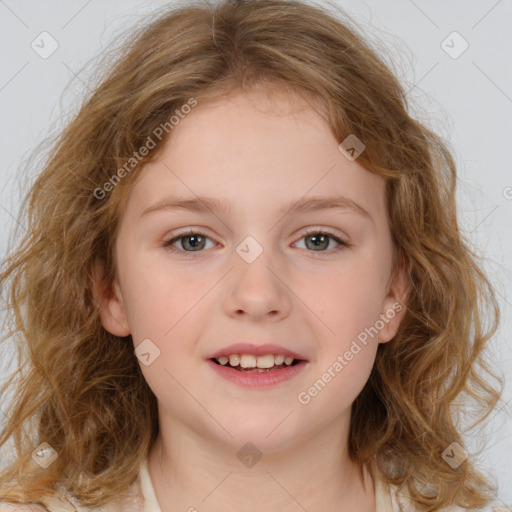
<point x="194" y="241"/>
<point x="318" y="240"/>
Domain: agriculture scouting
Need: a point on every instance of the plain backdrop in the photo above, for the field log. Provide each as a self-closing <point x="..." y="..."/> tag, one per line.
<point x="454" y="58"/>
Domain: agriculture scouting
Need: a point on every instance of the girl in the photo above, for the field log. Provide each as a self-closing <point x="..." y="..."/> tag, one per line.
<point x="243" y="284"/>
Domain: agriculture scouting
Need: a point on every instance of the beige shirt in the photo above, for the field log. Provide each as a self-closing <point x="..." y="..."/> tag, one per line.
<point x="141" y="497"/>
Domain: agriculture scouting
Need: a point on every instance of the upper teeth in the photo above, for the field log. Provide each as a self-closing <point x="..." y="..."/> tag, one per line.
<point x="251" y="361"/>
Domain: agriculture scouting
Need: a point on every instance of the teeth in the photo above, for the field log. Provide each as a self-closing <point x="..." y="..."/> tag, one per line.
<point x="247" y="361"/>
<point x="279" y="359"/>
<point x="265" y="361"/>
<point x="250" y="361"/>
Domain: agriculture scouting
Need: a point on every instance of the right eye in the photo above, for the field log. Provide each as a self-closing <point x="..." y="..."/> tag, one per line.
<point x="191" y="241"/>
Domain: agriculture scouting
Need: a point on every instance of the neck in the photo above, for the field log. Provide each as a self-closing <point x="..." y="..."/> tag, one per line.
<point x="192" y="472"/>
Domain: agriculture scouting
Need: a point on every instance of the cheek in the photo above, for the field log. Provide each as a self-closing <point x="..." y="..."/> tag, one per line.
<point x="350" y="298"/>
<point x="355" y="372"/>
<point x="163" y="307"/>
<point x="337" y="380"/>
<point x="347" y="348"/>
<point x="159" y="297"/>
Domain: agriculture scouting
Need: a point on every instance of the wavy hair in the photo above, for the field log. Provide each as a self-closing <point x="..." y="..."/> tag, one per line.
<point x="80" y="389"/>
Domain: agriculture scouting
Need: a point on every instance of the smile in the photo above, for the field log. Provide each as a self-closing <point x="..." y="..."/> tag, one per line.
<point x="255" y="377"/>
<point x="252" y="363"/>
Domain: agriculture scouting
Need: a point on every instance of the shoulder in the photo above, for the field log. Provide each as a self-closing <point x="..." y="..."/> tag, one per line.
<point x="132" y="500"/>
<point x="69" y="505"/>
<point x="58" y="503"/>
<point x="11" y="507"/>
<point x="53" y="505"/>
<point x="400" y="503"/>
<point x="492" y="507"/>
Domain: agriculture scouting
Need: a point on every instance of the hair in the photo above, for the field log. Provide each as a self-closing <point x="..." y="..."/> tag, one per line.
<point x="81" y="387"/>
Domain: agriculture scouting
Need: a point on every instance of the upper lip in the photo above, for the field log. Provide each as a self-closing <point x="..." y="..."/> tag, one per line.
<point x="256" y="350"/>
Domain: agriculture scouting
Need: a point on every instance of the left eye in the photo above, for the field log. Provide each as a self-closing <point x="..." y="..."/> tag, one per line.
<point x="321" y="240"/>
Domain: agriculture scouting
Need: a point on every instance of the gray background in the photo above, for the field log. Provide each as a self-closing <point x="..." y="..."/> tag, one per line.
<point x="467" y="98"/>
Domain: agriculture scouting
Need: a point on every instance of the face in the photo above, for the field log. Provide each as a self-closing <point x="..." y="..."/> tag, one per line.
<point x="294" y="250"/>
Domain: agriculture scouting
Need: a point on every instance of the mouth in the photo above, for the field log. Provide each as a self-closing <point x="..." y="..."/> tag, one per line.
<point x="254" y="377"/>
<point x="256" y="364"/>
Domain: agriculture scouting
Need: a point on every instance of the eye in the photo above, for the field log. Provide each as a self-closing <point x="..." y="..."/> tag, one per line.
<point x="192" y="241"/>
<point x="319" y="241"/>
<point x="195" y="241"/>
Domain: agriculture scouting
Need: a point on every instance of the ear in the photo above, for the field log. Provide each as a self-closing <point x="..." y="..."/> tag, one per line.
<point x="395" y="302"/>
<point x="109" y="301"/>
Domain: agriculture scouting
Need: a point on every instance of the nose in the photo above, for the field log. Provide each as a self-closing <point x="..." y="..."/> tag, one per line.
<point x="257" y="291"/>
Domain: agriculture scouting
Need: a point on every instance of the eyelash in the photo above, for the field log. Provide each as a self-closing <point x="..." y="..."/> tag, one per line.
<point x="341" y="243"/>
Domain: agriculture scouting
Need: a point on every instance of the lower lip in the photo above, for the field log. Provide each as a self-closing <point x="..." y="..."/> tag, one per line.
<point x="258" y="379"/>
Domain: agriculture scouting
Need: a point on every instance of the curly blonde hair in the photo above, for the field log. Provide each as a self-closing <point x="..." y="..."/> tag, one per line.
<point x="80" y="388"/>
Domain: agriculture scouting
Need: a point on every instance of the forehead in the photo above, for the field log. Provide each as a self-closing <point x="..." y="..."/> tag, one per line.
<point x="256" y="149"/>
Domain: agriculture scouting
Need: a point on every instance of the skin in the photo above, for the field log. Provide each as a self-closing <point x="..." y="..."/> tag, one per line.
<point x="258" y="152"/>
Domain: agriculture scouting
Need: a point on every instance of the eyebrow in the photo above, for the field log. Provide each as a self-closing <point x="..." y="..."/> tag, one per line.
<point x="303" y="205"/>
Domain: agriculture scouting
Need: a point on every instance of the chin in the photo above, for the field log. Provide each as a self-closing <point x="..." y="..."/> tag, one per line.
<point x="262" y="434"/>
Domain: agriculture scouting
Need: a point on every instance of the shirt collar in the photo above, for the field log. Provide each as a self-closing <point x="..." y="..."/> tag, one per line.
<point x="148" y="492"/>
